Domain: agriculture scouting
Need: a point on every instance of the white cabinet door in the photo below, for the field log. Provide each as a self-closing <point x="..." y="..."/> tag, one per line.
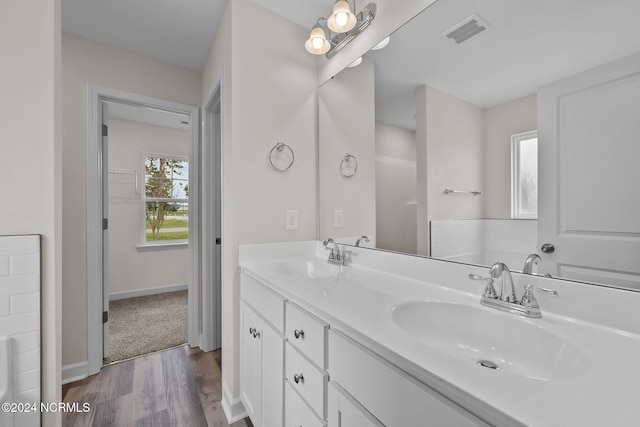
<point x="390" y="395"/>
<point x="589" y="207"/>
<point x="344" y="411"/>
<point x="250" y="364"/>
<point x="272" y="388"/>
<point x="261" y="369"/>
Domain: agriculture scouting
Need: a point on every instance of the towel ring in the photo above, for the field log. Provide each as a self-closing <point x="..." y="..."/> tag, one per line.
<point x="279" y="148"/>
<point x="346" y="161"/>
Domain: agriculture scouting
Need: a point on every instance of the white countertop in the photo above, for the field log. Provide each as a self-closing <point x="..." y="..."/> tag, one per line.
<point x="359" y="302"/>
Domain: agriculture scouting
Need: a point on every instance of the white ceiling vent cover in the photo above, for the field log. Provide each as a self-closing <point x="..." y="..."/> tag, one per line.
<point x="468" y="28"/>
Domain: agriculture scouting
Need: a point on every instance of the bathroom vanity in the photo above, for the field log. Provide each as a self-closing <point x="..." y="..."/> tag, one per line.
<point x="399" y="340"/>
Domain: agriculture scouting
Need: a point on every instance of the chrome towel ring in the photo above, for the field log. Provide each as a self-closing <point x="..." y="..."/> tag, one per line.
<point x="348" y="165"/>
<point x="279" y="156"/>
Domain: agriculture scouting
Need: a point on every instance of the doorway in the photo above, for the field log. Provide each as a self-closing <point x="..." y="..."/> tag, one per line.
<point x="97" y="237"/>
<point x="145" y="244"/>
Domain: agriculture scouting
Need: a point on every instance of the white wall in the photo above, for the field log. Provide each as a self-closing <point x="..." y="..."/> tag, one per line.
<point x="30" y="145"/>
<point x="268" y="96"/>
<point x="500" y="122"/>
<point x="449" y="146"/>
<point x="129" y="269"/>
<point x="346" y="114"/>
<point x="84" y="62"/>
<point x="396" y="221"/>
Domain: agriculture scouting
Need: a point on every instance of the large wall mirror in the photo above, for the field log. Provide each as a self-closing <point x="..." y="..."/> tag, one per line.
<point x="520" y="139"/>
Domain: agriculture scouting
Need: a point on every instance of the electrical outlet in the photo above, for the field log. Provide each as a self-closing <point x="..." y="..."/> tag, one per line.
<point x="292" y="220"/>
<point x="338" y="219"/>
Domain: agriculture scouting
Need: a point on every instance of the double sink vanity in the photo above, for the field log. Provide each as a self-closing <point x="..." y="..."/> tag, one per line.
<point x="399" y="340"/>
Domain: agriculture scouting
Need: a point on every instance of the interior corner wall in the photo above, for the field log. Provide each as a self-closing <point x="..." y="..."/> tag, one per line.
<point x="217" y="70"/>
<point x="346" y="114"/>
<point x="270" y="98"/>
<point x="132" y="270"/>
<point x="30" y="137"/>
<point x="86" y="62"/>
<point x="500" y="122"/>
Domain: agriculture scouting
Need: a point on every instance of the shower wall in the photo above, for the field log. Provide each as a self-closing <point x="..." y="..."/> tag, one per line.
<point x="20" y="318"/>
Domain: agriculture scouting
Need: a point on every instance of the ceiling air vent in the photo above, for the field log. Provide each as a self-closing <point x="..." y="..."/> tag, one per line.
<point x="463" y="31"/>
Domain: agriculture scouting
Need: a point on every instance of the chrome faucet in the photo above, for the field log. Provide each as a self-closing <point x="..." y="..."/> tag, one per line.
<point x="507" y="299"/>
<point x="365" y="238"/>
<point x="500" y="269"/>
<point x="532" y="259"/>
<point x="336" y="257"/>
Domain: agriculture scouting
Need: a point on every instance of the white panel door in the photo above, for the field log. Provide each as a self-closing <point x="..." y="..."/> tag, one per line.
<point x="589" y="175"/>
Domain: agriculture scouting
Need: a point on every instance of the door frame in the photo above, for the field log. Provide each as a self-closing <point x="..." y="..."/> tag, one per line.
<point x="95" y="175"/>
<point x="212" y="265"/>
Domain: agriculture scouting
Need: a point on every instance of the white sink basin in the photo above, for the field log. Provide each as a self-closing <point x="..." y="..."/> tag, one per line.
<point x="502" y="342"/>
<point x="308" y="269"/>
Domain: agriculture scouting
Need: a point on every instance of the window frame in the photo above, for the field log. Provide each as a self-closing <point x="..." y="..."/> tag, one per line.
<point x="158" y="244"/>
<point x="516" y="186"/>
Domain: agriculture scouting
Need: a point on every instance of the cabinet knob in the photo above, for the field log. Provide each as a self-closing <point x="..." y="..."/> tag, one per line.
<point x="252" y="331"/>
<point x="256" y="333"/>
<point x="298" y="378"/>
<point x="298" y="333"/>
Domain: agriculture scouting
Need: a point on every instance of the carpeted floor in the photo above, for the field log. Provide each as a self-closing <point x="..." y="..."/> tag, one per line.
<point x="146" y="324"/>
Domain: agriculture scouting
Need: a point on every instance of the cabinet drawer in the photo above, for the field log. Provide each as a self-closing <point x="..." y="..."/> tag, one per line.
<point x="269" y="304"/>
<point x="297" y="413"/>
<point x="311" y="382"/>
<point x="307" y="333"/>
<point x="390" y="395"/>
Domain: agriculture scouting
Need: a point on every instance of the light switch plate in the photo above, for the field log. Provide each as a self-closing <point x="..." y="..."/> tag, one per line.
<point x="292" y="220"/>
<point x="338" y="218"/>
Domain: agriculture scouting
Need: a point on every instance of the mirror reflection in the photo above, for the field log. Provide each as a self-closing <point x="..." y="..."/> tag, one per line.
<point x="488" y="131"/>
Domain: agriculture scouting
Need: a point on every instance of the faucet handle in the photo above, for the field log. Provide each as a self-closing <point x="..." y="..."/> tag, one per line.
<point x="528" y="299"/>
<point x="489" y="290"/>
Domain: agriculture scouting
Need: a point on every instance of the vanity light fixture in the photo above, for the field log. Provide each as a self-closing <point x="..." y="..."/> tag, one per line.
<point x="342" y="19"/>
<point x="329" y="39"/>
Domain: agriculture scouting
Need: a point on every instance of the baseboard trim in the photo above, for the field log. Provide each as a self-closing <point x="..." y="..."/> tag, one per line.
<point x="233" y="408"/>
<point x="150" y="291"/>
<point x="75" y="372"/>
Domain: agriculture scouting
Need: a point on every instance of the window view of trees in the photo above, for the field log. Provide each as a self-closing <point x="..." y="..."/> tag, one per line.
<point x="166" y="199"/>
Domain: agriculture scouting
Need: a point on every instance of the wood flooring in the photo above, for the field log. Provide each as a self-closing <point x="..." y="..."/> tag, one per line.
<point x="175" y="387"/>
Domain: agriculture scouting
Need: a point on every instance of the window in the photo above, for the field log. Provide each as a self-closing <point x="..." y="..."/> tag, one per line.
<point x="524" y="175"/>
<point x="166" y="199"/>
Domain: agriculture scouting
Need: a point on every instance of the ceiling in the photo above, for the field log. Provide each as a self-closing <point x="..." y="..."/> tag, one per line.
<point x="176" y="31"/>
<point x="529" y="43"/>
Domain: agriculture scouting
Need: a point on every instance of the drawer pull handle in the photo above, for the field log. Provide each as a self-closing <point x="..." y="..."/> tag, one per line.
<point x="298" y="378"/>
<point x="298" y="333"/>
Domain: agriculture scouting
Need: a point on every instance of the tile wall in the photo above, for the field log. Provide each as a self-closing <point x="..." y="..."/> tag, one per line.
<point x="20" y="318"/>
